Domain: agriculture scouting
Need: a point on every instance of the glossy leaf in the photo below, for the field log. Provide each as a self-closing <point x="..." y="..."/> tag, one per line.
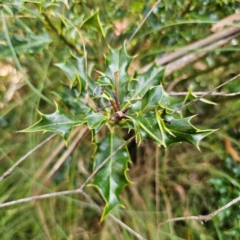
<point x="111" y="178"/>
<point x="75" y="69"/>
<point x="57" y="122"/>
<point x="95" y="23"/>
<point x="94" y="120"/>
<point x="180" y="129"/>
<point x="146" y="128"/>
<point x="143" y="82"/>
<point x="155" y="97"/>
<point x="118" y="61"/>
<point x="69" y="69"/>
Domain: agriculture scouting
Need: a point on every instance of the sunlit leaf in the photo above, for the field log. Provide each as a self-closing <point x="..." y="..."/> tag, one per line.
<point x="111" y="178"/>
<point x="95" y="120"/>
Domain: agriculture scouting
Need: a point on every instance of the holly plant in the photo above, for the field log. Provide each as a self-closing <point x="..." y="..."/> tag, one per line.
<point x="116" y="101"/>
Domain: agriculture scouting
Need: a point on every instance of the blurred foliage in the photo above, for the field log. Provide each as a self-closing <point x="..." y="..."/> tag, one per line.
<point x="38" y="36"/>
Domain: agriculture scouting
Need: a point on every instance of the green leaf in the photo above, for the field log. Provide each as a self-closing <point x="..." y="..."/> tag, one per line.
<point x="71" y="98"/>
<point x="117" y="60"/>
<point x="70" y="70"/>
<point x="146" y="128"/>
<point x="142" y="82"/>
<point x="57" y="122"/>
<point x="111" y="178"/>
<point x="155" y="97"/>
<point x="75" y="69"/>
<point x="95" y="120"/>
<point x="95" y="23"/>
<point x="183" y="130"/>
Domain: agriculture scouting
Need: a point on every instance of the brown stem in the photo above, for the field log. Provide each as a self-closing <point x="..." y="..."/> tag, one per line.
<point x="117" y="91"/>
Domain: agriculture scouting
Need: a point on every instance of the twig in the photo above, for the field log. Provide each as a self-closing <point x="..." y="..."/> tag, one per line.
<point x="186" y="60"/>
<point x="10" y="170"/>
<point x="117" y="98"/>
<point x="127" y="227"/>
<point x="208" y="41"/>
<point x="38" y="197"/>
<point x="79" y="190"/>
<point x="222" y="94"/>
<point x="63" y="158"/>
<point x="207" y="93"/>
<point x="143" y="21"/>
<point x="203" y="218"/>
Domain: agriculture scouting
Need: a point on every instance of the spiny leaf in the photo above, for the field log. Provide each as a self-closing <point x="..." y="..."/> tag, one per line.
<point x="154" y="97"/>
<point x="95" y="120"/>
<point x="69" y="69"/>
<point x="142" y="82"/>
<point x="57" y="122"/>
<point x="146" y="128"/>
<point x="111" y="178"/>
<point x="75" y="69"/>
<point x="117" y="60"/>
<point x="182" y="130"/>
<point x="94" y="22"/>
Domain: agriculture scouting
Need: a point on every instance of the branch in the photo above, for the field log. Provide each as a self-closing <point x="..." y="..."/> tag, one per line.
<point x="203" y="218"/>
<point x="211" y="42"/>
<point x="208" y="93"/>
<point x="79" y="190"/>
<point x="222" y="94"/>
<point x="10" y="170"/>
<point x="185" y="60"/>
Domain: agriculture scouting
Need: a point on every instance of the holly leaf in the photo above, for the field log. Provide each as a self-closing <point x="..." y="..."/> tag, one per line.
<point x="155" y="97"/>
<point x="111" y="178"/>
<point x="117" y="60"/>
<point x="148" y="129"/>
<point x="180" y="129"/>
<point x="142" y="82"/>
<point x="57" y="122"/>
<point x="75" y="70"/>
<point x="70" y="71"/>
<point x="95" y="23"/>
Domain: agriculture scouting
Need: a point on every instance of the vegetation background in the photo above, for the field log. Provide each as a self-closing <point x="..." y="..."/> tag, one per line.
<point x="181" y="181"/>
